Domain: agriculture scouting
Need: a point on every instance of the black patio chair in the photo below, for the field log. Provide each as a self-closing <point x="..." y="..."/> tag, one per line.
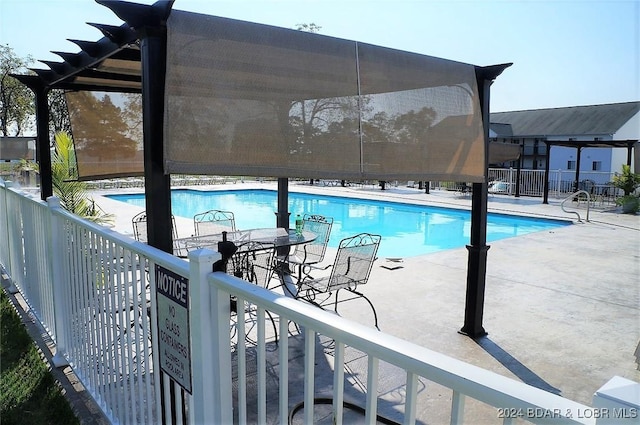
<point x="139" y="223"/>
<point x="306" y="255"/>
<point x="214" y="222"/>
<point x="349" y="271"/>
<point x="254" y="263"/>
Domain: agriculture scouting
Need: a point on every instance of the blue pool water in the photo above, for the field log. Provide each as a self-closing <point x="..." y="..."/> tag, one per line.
<point x="406" y="230"/>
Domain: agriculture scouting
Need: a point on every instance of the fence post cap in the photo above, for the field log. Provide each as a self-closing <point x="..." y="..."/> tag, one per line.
<point x="203" y="255"/>
<point x="53" y="201"/>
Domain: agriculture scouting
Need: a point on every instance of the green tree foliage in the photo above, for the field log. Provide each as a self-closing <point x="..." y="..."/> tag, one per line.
<point x="412" y="127"/>
<point x="100" y="125"/>
<point x="308" y="27"/>
<point x="16" y="100"/>
<point x="627" y="181"/>
<point x="58" y="112"/>
<point x="72" y="193"/>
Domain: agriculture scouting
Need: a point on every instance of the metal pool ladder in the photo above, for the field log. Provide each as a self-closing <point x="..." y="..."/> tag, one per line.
<point x="573" y="195"/>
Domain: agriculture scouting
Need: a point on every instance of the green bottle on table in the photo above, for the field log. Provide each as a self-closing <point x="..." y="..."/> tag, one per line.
<point x="299" y="224"/>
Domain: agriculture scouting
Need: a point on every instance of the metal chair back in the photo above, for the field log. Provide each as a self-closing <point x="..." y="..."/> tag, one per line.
<point x="351" y="268"/>
<point x="139" y="223"/>
<point x="254" y="262"/>
<point x="354" y="261"/>
<point x="214" y="222"/>
<point x="313" y="252"/>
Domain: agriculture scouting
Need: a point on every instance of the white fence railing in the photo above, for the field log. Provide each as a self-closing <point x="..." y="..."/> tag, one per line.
<point x="506" y="396"/>
<point x="89" y="288"/>
<point x="561" y="182"/>
<point x="92" y="291"/>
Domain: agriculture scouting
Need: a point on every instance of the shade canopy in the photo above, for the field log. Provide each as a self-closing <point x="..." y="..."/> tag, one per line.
<point x="256" y="100"/>
<point x="107" y="133"/>
<point x="13" y="148"/>
<point x="503" y="152"/>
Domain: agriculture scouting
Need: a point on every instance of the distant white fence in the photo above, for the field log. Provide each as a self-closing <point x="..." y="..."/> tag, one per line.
<point x="561" y="182"/>
<point x="92" y="290"/>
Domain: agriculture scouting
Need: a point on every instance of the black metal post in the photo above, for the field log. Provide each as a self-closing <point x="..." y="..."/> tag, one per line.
<point x="282" y="215"/>
<point x="477" y="260"/>
<point x="153" y="52"/>
<point x="545" y="190"/>
<point x="427" y="186"/>
<point x="476" y="264"/>
<point x="43" y="147"/>
<point x="518" y="170"/>
<point x="43" y="150"/>
<point x="576" y="184"/>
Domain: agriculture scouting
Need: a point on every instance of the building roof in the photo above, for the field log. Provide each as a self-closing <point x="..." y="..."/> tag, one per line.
<point x="498" y="129"/>
<point x="575" y="120"/>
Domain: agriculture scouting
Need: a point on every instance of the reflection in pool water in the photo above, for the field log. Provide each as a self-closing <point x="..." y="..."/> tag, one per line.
<point x="407" y="230"/>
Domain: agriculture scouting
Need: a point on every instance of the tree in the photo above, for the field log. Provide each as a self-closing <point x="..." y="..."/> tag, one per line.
<point x="101" y="125"/>
<point x="16" y="100"/>
<point x="412" y="127"/>
<point x="58" y="112"/>
<point x="308" y="27"/>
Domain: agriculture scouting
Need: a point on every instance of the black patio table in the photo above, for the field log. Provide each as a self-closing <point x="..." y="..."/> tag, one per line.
<point x="277" y="237"/>
<point x="252" y="240"/>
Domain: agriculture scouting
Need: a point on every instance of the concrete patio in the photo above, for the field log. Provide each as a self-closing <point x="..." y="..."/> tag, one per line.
<point x="562" y="307"/>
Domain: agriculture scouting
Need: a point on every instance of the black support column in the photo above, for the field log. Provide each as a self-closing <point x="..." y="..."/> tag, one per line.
<point x="518" y="172"/>
<point x="476" y="264"/>
<point x="43" y="143"/>
<point x="545" y="190"/>
<point x="282" y="215"/>
<point x="157" y="190"/>
<point x="576" y="184"/>
<point x="477" y="260"/>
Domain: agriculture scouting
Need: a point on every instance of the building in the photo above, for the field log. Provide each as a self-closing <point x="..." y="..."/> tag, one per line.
<point x="606" y="123"/>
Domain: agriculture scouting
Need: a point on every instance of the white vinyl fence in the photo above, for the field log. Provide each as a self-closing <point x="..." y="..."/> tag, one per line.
<point x="561" y="182"/>
<point x="94" y="291"/>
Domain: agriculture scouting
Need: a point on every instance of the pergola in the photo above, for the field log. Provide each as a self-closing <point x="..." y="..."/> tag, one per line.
<point x="579" y="145"/>
<point x="221" y="96"/>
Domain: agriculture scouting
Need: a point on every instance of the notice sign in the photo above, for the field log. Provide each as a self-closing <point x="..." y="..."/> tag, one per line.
<point x="173" y="326"/>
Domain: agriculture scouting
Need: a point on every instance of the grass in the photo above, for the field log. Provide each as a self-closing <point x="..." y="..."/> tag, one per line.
<point x="28" y="392"/>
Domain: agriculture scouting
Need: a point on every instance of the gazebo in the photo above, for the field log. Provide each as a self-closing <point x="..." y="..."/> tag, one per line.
<point x="579" y="145"/>
<point x="227" y="97"/>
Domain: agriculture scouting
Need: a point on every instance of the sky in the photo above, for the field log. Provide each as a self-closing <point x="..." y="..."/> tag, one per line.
<point x="564" y="52"/>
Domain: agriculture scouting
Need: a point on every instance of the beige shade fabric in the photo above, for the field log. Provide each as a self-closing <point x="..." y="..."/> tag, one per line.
<point x="17" y="148"/>
<point x="107" y="133"/>
<point x="503" y="152"/>
<point x="255" y="100"/>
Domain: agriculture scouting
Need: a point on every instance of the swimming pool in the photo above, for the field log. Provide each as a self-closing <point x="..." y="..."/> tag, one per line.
<point x="407" y="230"/>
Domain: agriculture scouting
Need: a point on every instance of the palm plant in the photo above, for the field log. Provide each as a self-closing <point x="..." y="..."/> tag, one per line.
<point x="66" y="186"/>
<point x="628" y="182"/>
